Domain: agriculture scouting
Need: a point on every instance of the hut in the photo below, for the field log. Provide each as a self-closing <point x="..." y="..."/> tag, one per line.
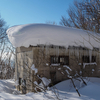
<point x="53" y="53"/>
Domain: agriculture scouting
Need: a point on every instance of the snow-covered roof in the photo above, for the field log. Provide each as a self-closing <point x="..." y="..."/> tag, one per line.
<point x="34" y="34"/>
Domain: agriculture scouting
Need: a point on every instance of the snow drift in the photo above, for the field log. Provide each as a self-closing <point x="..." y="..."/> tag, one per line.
<point x="33" y="34"/>
<point x="65" y="90"/>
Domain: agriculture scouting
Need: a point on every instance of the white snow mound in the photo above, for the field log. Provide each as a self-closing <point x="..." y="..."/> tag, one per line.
<point x="34" y="34"/>
<point x="33" y="68"/>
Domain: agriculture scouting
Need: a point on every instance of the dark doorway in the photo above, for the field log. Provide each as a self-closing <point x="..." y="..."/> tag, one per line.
<point x="19" y="83"/>
<point x="53" y="77"/>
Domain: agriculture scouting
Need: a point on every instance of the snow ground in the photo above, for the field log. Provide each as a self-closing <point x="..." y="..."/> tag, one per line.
<point x="65" y="90"/>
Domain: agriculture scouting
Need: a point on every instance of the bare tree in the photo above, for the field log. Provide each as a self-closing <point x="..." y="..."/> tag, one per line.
<point x="84" y="14"/>
<point x="6" y="52"/>
<point x="51" y="22"/>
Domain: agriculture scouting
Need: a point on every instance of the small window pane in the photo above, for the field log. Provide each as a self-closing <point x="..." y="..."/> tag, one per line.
<point x="63" y="60"/>
<point x="93" y="58"/>
<point x="85" y="59"/>
<point x="54" y="59"/>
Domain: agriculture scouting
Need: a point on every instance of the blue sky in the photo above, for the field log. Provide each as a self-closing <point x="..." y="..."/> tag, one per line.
<point x="16" y="12"/>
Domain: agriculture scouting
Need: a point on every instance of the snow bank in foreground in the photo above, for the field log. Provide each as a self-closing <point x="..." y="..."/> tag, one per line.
<point x="65" y="90"/>
<point x="8" y="91"/>
<point x="33" y="34"/>
<point x="89" y="92"/>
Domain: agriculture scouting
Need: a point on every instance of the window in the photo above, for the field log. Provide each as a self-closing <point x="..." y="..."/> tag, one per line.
<point x="54" y="60"/>
<point x="93" y="59"/>
<point x="62" y="60"/>
<point x="86" y="59"/>
<point x="53" y="76"/>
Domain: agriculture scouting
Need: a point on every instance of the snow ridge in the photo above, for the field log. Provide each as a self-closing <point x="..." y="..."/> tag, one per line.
<point x="34" y="34"/>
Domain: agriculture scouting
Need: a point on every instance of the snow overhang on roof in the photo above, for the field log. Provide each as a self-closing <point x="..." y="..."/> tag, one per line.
<point x="34" y="34"/>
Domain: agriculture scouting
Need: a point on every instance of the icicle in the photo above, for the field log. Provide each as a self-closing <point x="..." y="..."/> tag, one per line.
<point x="71" y="51"/>
<point x="54" y="49"/>
<point x="57" y="50"/>
<point x="80" y="54"/>
<point x="99" y="53"/>
<point x="77" y="52"/>
<point x="90" y="55"/>
<point x="66" y="50"/>
<point x="46" y="49"/>
<point x="95" y="53"/>
<point x="42" y="47"/>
